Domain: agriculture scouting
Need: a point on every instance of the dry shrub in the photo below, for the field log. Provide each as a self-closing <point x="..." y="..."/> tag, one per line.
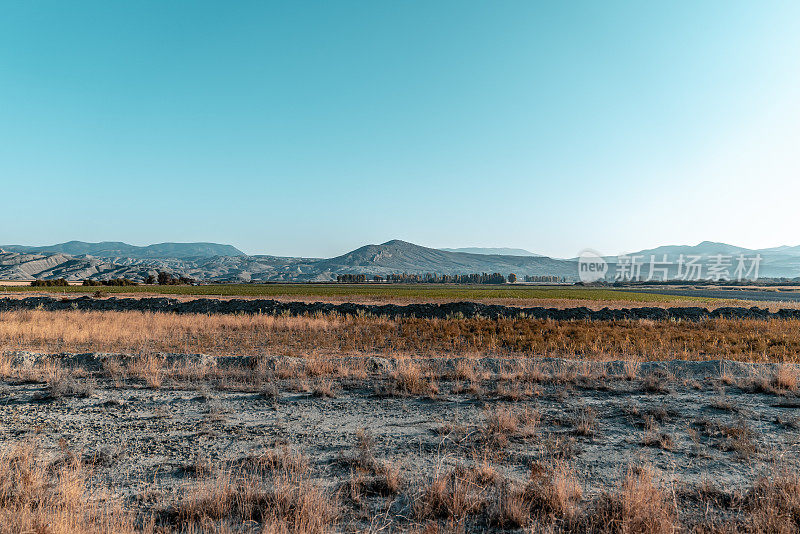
<point x="638" y="507"/>
<point x="6" y="364"/>
<point x="452" y="495"/>
<point x="786" y="378"/>
<point x="390" y="480"/>
<point x="387" y="481"/>
<point x="501" y="424"/>
<point x="660" y="440"/>
<point x="147" y="367"/>
<point x="368" y="474"/>
<point x="500" y="421"/>
<point x="37" y="496"/>
<point x="316" y="366"/>
<point x="532" y="371"/>
<point x="630" y="369"/>
<point x="287" y="369"/>
<point x="483" y="471"/>
<point x="773" y="505"/>
<point x="275" y="491"/>
<point x="472" y="388"/>
<point x="113" y="369"/>
<point x="654" y="437"/>
<point x="657" y="381"/>
<point x="738" y="438"/>
<point x="64" y="384"/>
<point x="465" y="370"/>
<point x="355" y="370"/>
<point x="325" y="389"/>
<point x="549" y="495"/>
<point x="552" y="494"/>
<point x="509" y="508"/>
<point x="565" y="372"/>
<point x="724" y="403"/>
<point x="725" y="376"/>
<point x="586" y="421"/>
<point x="513" y="392"/>
<point x="300" y="386"/>
<point x="409" y="379"/>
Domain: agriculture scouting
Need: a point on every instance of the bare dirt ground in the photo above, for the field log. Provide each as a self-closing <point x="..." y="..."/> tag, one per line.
<point x="420" y="444"/>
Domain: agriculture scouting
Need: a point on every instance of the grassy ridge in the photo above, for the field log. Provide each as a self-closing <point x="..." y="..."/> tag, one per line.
<point x="431" y="291"/>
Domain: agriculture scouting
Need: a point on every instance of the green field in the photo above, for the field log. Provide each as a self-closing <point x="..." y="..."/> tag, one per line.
<point x="425" y="291"/>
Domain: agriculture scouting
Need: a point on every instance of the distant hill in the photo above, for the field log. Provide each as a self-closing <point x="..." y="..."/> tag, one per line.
<point x="776" y="262"/>
<point x="492" y="251"/>
<point x="214" y="262"/>
<point x="115" y="249"/>
<point x="706" y="248"/>
<point x="400" y="256"/>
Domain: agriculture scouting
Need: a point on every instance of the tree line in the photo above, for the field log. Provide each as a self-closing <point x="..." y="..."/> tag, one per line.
<point x="162" y="279"/>
<point x="429" y="278"/>
<point x="545" y="278"/>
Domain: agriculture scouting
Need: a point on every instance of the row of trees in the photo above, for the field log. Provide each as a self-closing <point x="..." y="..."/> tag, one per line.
<point x="433" y="278"/>
<point x="112" y="282"/>
<point x="429" y="278"/>
<point x="351" y="278"/>
<point x="163" y="279"/>
<point x="58" y="282"/>
<point x="545" y="278"/>
<point x="166" y="279"/>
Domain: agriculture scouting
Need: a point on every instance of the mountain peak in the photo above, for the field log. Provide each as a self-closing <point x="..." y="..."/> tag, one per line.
<point x="397" y="242"/>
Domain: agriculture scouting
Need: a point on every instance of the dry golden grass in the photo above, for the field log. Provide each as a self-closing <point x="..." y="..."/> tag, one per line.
<point x="410" y="379"/>
<point x="773" y="505"/>
<point x="275" y="492"/>
<point x="149" y="368"/>
<point x="786" y="377"/>
<point x="38" y="496"/>
<point x="146" y="333"/>
<point x="586" y="421"/>
<point x="501" y="421"/>
<point x="450" y="495"/>
<point x="638" y="506"/>
<point x="368" y="474"/>
<point x="551" y="496"/>
<point x="554" y="492"/>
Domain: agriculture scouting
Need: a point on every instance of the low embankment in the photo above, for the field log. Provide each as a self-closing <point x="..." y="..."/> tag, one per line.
<point x="423" y="311"/>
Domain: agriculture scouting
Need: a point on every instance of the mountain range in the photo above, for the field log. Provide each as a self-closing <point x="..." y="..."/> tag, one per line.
<point x="78" y="260"/>
<point x="113" y="249"/>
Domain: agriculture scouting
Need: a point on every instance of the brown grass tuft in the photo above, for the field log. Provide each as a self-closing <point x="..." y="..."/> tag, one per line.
<point x="773" y="505"/>
<point x="147" y="367"/>
<point x="639" y="506"/>
<point x="276" y="492"/>
<point x="786" y="377"/>
<point x="38" y="496"/>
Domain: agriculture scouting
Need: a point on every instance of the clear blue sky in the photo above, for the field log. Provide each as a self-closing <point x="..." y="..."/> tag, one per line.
<point x="311" y="128"/>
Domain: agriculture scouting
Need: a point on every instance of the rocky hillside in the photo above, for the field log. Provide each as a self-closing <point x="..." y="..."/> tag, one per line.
<point x="402" y="257"/>
<point x="196" y="260"/>
<point x="388" y="258"/>
<point x="114" y="249"/>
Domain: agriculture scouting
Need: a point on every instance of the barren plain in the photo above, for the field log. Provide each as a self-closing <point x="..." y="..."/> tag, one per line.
<point x="138" y="421"/>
